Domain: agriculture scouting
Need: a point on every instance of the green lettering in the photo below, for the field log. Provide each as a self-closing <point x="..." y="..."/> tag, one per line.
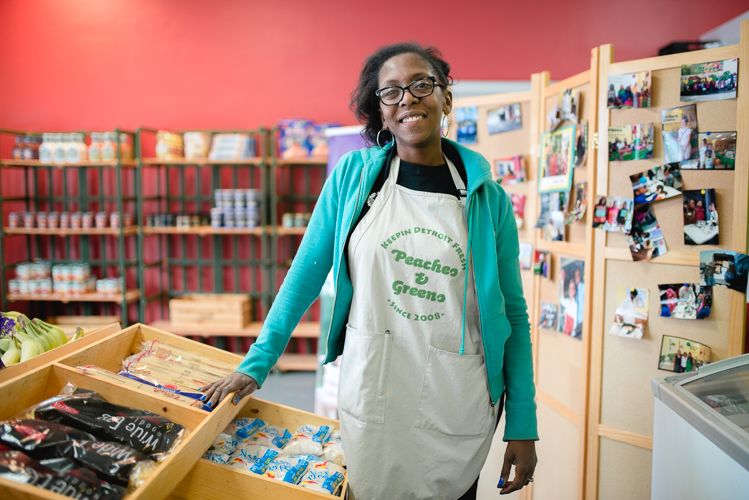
<point x="454" y="273"/>
<point x="419" y="263"/>
<point x="431" y="296"/>
<point x="440" y="298"/>
<point x="398" y="255"/>
<point x="436" y="267"/>
<point x="409" y="260"/>
<point x="405" y="288"/>
<point x="422" y="294"/>
<point x="413" y="291"/>
<point x="446" y="270"/>
<point x="427" y="264"/>
<point x="397" y="287"/>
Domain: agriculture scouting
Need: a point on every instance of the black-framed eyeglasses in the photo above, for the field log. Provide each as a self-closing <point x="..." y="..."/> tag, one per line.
<point x="423" y="87"/>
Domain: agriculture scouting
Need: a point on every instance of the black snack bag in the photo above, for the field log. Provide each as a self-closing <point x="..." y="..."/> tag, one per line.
<point x="39" y="439"/>
<point x="149" y="433"/>
<point x="113" y="462"/>
<point x="81" y="484"/>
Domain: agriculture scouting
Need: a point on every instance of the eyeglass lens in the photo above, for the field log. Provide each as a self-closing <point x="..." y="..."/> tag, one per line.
<point x="419" y="88"/>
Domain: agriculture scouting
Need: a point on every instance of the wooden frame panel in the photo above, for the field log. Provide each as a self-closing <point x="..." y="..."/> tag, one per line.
<point x="724" y="330"/>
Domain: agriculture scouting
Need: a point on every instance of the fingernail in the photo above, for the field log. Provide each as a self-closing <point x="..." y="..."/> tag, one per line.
<point x="236" y="401"/>
<point x="202" y="398"/>
<point x="209" y="403"/>
<point x="500" y="483"/>
<point x="200" y="388"/>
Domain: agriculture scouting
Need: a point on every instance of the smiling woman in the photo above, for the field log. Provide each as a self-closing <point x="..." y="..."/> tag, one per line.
<point x="420" y="363"/>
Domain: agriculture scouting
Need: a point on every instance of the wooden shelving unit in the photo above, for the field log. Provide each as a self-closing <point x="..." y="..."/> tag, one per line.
<point x="206" y="230"/>
<point x="130" y="296"/>
<point x="127" y="231"/>
<point x="37" y="163"/>
<point x="201" y="162"/>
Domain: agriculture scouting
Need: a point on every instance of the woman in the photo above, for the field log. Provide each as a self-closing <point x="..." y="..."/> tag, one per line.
<point x="425" y="301"/>
<point x="685" y="138"/>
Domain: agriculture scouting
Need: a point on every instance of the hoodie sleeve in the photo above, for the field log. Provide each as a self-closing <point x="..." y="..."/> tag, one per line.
<point x="520" y="406"/>
<point x="303" y="282"/>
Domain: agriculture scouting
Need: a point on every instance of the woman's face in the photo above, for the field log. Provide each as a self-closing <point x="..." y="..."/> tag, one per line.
<point x="571" y="289"/>
<point x="414" y="122"/>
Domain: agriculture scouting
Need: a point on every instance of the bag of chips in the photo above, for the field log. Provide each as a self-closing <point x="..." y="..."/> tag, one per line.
<point x="77" y="483"/>
<point x="270" y="435"/>
<point x="254" y="458"/>
<point x="287" y="469"/>
<point x="149" y="433"/>
<point x="243" y="428"/>
<point x="307" y="440"/>
<point x="333" y="449"/>
<point x="323" y="476"/>
<point x="216" y="456"/>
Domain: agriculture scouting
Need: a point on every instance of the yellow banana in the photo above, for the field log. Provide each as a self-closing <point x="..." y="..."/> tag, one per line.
<point x="5" y="344"/>
<point x="78" y="334"/>
<point x="11" y="314"/>
<point x="28" y="328"/>
<point x="12" y="355"/>
<point x="29" y="349"/>
<point x="52" y="338"/>
<point x="55" y="330"/>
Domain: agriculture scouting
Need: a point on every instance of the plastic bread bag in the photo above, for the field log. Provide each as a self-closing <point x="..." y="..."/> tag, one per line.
<point x="78" y="483"/>
<point x="216" y="456"/>
<point x="307" y="440"/>
<point x="175" y="369"/>
<point x="145" y="386"/>
<point x="224" y="443"/>
<point x="287" y="468"/>
<point x="255" y="458"/>
<point x="37" y="438"/>
<point x="149" y="433"/>
<point x="270" y="435"/>
<point x="323" y="476"/>
<point x="174" y="353"/>
<point x="243" y="428"/>
<point x="135" y="366"/>
<point x="332" y="449"/>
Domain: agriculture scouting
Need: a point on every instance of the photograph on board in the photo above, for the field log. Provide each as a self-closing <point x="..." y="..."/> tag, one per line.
<point x="646" y="238"/>
<point x="613" y="213"/>
<point x="518" y="208"/>
<point x="541" y="263"/>
<point x="509" y="170"/>
<point x="467" y="119"/>
<point x="679" y="129"/>
<point x="526" y="255"/>
<point x="680" y="355"/>
<point x="555" y="164"/>
<point x="568" y="105"/>
<point x="700" y="217"/>
<point x="504" y="119"/>
<point x="685" y="300"/>
<point x="581" y="143"/>
<point x="571" y="298"/>
<point x="658" y="183"/>
<point x="717" y="151"/>
<point x="724" y="268"/>
<point x="631" y="142"/>
<point x="554" y="227"/>
<point x="578" y="209"/>
<point x="631" y="314"/>
<point x="548" y="316"/>
<point x="710" y="81"/>
<point x="629" y="91"/>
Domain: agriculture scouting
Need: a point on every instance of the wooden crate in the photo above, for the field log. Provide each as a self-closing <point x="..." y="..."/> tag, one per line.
<point x="69" y="324"/>
<point x="37" y="385"/>
<point x="214" y="311"/>
<point x="211" y="480"/>
<point x="55" y="354"/>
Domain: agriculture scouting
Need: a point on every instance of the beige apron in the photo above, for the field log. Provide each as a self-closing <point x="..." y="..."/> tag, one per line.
<point x="416" y="416"/>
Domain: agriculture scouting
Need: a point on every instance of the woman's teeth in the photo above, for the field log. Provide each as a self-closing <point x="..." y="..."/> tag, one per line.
<point x="411" y="119"/>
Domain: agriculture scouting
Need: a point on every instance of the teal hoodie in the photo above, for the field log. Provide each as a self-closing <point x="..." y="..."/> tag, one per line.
<point x="493" y="241"/>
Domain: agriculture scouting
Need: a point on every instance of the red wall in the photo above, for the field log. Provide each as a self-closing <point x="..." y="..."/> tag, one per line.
<point x="97" y="64"/>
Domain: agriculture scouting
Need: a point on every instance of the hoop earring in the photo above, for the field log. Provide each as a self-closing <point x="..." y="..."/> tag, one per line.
<point x="447" y="131"/>
<point x="378" y="137"/>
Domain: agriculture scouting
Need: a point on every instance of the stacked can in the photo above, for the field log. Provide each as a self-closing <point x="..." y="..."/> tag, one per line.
<point x="236" y="208"/>
<point x="72" y="279"/>
<point x="32" y="278"/>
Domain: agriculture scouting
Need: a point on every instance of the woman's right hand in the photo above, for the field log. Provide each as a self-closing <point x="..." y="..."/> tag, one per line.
<point x="215" y="392"/>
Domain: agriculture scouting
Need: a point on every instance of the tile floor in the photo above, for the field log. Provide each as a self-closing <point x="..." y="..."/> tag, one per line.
<point x="295" y="389"/>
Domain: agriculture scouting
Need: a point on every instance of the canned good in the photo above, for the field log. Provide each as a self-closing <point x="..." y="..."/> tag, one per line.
<point x="127" y="219"/>
<point x="230" y="223"/>
<point x="77" y="288"/>
<point x="58" y="272"/>
<point x="287" y="220"/>
<point x="101" y="220"/>
<point x="67" y="272"/>
<point x="168" y="220"/>
<point x="40" y="270"/>
<point x="75" y="220"/>
<point x="13" y="220"/>
<point x="91" y="285"/>
<point x="252" y="222"/>
<point x="114" y="220"/>
<point x="87" y="220"/>
<point x="80" y="273"/>
<point x="299" y="220"/>
<point x="53" y="220"/>
<point x="35" y="287"/>
<point x="45" y="286"/>
<point x="14" y="287"/>
<point x="23" y="271"/>
<point x="41" y="220"/>
<point x="194" y="220"/>
<point x="241" y="223"/>
<point x="23" y="287"/>
<point x="62" y="288"/>
<point x="28" y="220"/>
<point x="101" y="286"/>
<point x="65" y="220"/>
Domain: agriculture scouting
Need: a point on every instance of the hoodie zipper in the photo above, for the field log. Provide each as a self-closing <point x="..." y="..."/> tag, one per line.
<point x="335" y="295"/>
<point x="478" y="306"/>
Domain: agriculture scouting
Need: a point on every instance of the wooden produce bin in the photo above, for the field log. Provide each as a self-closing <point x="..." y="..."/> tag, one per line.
<point x="58" y="352"/>
<point x="69" y="324"/>
<point x="211" y="480"/>
<point x="37" y="385"/>
<point x="214" y="310"/>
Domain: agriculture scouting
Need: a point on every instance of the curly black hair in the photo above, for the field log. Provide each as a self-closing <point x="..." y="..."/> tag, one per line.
<point x="366" y="105"/>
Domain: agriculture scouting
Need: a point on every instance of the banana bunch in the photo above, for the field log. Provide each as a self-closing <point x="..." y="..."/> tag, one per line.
<point x="28" y="338"/>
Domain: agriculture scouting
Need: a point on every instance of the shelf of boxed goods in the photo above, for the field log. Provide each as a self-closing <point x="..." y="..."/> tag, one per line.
<point x="113" y="231"/>
<point x="130" y="296"/>
<point x="37" y="163"/>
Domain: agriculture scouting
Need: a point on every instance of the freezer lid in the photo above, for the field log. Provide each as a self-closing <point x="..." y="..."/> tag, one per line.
<point x="715" y="401"/>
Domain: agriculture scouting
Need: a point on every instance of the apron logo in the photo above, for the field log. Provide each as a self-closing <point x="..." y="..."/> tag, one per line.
<point x="399" y="287"/>
<point x="429" y="265"/>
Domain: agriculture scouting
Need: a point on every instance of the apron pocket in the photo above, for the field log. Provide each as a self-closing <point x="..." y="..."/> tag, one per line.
<point x="454" y="395"/>
<point x="364" y="373"/>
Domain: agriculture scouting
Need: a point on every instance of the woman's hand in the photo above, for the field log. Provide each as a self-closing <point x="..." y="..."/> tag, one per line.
<point x="523" y="455"/>
<point x="216" y="392"/>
